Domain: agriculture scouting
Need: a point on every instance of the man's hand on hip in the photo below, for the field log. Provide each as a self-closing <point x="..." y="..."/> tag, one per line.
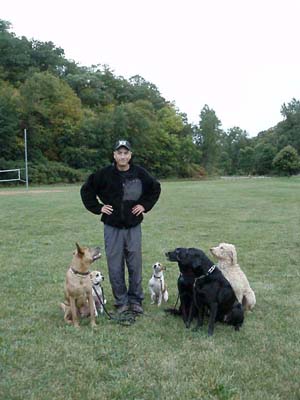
<point x="138" y="209"/>
<point x="107" y="209"/>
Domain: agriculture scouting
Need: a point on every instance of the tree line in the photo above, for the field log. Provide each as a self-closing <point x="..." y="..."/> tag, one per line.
<point x="73" y="114"/>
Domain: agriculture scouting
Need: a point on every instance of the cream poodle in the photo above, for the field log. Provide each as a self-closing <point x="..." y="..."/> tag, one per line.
<point x="227" y="262"/>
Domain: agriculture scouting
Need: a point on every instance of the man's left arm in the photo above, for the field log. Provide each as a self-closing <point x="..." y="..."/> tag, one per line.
<point x="151" y="192"/>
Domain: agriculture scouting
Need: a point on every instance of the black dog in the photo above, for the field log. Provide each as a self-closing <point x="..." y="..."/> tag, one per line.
<point x="210" y="290"/>
<point x="235" y="317"/>
<point x="185" y="285"/>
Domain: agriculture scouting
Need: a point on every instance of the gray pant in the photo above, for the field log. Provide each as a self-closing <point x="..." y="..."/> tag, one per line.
<point x="124" y="245"/>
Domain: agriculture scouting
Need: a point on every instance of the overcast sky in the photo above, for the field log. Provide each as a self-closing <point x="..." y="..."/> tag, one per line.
<point x="241" y="57"/>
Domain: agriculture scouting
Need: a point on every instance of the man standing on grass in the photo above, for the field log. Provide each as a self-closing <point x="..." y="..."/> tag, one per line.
<point x="126" y="191"/>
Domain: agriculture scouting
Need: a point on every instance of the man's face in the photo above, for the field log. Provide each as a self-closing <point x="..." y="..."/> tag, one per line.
<point x="122" y="157"/>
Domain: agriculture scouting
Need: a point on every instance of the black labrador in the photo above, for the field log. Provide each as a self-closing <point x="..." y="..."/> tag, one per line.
<point x="235" y="317"/>
<point x="210" y="290"/>
<point x="185" y="283"/>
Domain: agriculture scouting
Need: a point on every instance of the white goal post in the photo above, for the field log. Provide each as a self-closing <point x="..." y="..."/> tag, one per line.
<point x="11" y="175"/>
<point x="17" y="171"/>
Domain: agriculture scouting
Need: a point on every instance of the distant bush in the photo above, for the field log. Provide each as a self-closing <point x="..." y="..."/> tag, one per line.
<point x="287" y="161"/>
<point x="5" y="164"/>
<point x="192" y="171"/>
<point x="53" y="172"/>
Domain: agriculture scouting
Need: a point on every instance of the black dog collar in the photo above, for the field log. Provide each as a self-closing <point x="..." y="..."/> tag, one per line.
<point x="79" y="273"/>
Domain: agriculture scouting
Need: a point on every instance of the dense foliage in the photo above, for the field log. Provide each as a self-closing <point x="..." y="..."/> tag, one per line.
<point x="73" y="114"/>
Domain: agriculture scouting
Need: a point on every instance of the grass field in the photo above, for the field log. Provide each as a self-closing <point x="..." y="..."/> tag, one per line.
<point x="156" y="358"/>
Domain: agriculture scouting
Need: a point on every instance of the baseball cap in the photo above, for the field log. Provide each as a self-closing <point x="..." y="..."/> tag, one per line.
<point x="122" y="143"/>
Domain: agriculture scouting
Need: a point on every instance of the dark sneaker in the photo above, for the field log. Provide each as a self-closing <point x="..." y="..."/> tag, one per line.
<point x="122" y="309"/>
<point x="136" y="308"/>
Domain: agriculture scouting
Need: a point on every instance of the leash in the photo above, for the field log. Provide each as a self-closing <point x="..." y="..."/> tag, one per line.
<point x="126" y="318"/>
<point x="210" y="271"/>
<point x="100" y="299"/>
<point x="176" y="301"/>
<point x="195" y="288"/>
<point x="179" y="294"/>
<point x="173" y="311"/>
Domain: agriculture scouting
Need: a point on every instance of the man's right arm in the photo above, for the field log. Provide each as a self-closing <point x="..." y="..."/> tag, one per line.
<point x="89" y="197"/>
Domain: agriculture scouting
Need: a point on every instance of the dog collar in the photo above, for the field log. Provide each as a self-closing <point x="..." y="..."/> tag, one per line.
<point x="157" y="277"/>
<point x="210" y="271"/>
<point x="79" y="273"/>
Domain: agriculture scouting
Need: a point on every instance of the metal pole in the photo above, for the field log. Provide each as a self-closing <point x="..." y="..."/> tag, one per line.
<point x="26" y="166"/>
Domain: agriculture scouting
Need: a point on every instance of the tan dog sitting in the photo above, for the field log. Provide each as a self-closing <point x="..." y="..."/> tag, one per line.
<point x="157" y="286"/>
<point x="78" y="285"/>
<point x="227" y="263"/>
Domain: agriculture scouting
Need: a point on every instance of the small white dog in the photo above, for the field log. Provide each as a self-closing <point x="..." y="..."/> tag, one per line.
<point x="227" y="262"/>
<point x="98" y="293"/>
<point x="157" y="287"/>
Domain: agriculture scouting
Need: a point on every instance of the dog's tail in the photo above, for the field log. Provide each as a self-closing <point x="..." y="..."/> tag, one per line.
<point x="249" y="300"/>
<point x="165" y="296"/>
<point x="64" y="307"/>
<point x="173" y="311"/>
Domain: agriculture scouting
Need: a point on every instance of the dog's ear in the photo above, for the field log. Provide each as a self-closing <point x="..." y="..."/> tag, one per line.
<point x="196" y="262"/>
<point x="201" y="261"/>
<point x="80" y="252"/>
<point x="181" y="254"/>
<point x="233" y="255"/>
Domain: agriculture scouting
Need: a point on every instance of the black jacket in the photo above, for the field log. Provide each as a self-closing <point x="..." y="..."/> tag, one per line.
<point x="121" y="190"/>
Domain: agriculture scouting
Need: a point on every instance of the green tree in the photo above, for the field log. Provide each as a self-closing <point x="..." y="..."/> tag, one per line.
<point x="288" y="131"/>
<point x="208" y="138"/>
<point x="45" y="56"/>
<point x="246" y="160"/>
<point x="52" y="113"/>
<point x="90" y="88"/>
<point x="170" y="120"/>
<point x="291" y="109"/>
<point x="138" y="123"/>
<point x="264" y="154"/>
<point x="11" y="144"/>
<point x="144" y="90"/>
<point x="287" y="162"/>
<point x="21" y="57"/>
<point x="15" y="55"/>
<point x="232" y="143"/>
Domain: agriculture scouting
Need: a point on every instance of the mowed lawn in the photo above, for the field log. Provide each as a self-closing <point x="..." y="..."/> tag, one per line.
<point x="157" y="357"/>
